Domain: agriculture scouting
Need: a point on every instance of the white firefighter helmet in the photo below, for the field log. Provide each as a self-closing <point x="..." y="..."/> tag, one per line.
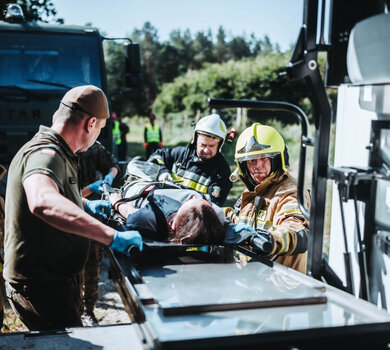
<point x="213" y="126"/>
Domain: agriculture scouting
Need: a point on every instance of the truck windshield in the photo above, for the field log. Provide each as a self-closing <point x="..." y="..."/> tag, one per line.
<point x="48" y="61"/>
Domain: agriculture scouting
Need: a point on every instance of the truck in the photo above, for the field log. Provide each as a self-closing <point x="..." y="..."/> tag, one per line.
<point x="39" y="62"/>
<point x="181" y="297"/>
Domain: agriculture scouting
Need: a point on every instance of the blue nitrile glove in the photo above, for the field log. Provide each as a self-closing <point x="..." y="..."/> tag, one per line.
<point x="96" y="187"/>
<point x="99" y="207"/>
<point x="124" y="239"/>
<point x="109" y="178"/>
<point x="241" y="226"/>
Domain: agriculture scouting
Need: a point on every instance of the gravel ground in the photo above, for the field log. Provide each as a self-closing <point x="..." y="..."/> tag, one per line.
<point x="109" y="308"/>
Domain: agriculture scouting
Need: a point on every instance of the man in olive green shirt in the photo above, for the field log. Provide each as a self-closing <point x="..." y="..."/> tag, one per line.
<point x="47" y="231"/>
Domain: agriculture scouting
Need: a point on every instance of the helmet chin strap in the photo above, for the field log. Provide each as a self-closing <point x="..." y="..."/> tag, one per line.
<point x="276" y="164"/>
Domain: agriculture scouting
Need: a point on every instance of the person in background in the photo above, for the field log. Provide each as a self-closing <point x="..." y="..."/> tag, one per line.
<point x="152" y="136"/>
<point x="270" y="200"/>
<point x="201" y="165"/>
<point x="119" y="132"/>
<point x="97" y="166"/>
<point x="47" y="228"/>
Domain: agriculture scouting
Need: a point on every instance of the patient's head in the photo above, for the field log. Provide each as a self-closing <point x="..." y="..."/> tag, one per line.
<point x="197" y="222"/>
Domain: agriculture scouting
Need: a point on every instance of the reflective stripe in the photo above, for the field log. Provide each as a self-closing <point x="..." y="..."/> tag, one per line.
<point x="265" y="225"/>
<point x="284" y="238"/>
<point x="152" y="134"/>
<point x="160" y="161"/>
<point x="249" y="220"/>
<point x="190" y="184"/>
<point x="157" y="158"/>
<point x="189" y="175"/>
<point x="292" y="211"/>
<point x="290" y="206"/>
<point x="246" y="220"/>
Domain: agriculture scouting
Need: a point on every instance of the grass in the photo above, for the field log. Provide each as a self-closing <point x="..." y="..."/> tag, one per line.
<point x="11" y="322"/>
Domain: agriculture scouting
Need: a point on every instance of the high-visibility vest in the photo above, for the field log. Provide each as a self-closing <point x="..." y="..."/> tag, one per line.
<point x="116" y="133"/>
<point x="152" y="133"/>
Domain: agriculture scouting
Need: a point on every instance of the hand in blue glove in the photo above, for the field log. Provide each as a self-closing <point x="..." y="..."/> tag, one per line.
<point x="99" y="207"/>
<point x="109" y="178"/>
<point x="123" y="240"/>
<point x="241" y="226"/>
<point x="96" y="187"/>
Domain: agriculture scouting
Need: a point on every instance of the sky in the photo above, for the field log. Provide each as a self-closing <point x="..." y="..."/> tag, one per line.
<point x="279" y="19"/>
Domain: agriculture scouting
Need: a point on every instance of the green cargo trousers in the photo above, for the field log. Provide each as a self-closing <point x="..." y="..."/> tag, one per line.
<point x="47" y="307"/>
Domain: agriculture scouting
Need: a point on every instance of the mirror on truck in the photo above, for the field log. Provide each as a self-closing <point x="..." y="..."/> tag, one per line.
<point x="133" y="65"/>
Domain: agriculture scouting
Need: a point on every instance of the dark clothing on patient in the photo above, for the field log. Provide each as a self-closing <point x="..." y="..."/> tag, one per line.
<point x="151" y="220"/>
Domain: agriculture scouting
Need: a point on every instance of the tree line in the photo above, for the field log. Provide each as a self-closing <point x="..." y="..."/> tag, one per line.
<point x="181" y="55"/>
<point x="179" y="74"/>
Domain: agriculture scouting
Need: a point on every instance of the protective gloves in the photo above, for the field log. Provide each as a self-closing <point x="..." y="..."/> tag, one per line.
<point x="165" y="177"/>
<point x="241" y="226"/>
<point x="160" y="144"/>
<point x="96" y="187"/>
<point x="146" y="145"/>
<point x="98" y="207"/>
<point x="109" y="178"/>
<point x="123" y="240"/>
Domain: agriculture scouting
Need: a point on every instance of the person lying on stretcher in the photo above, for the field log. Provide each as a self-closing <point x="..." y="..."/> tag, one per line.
<point x="181" y="216"/>
<point x="175" y="215"/>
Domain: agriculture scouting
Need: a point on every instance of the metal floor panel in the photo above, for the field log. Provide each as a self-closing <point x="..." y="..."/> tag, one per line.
<point x="194" y="284"/>
<point x="194" y="288"/>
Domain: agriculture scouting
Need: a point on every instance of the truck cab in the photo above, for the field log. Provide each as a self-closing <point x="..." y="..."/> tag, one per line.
<point x="38" y="64"/>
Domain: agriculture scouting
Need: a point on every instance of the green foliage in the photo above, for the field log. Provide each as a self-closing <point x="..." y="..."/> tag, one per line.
<point x="35" y="10"/>
<point x="256" y="79"/>
<point x="163" y="62"/>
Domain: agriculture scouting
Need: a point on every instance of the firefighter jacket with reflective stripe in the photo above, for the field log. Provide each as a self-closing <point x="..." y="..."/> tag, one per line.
<point x="152" y="133"/>
<point x="206" y="176"/>
<point x="273" y="206"/>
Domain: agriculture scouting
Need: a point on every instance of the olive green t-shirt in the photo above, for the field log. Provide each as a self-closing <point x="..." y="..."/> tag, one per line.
<point x="36" y="252"/>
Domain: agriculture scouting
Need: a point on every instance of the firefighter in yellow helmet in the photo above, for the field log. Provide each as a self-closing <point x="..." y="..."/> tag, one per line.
<point x="270" y="200"/>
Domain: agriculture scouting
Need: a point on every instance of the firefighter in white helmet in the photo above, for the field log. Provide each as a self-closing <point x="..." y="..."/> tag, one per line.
<point x="199" y="166"/>
<point x="270" y="201"/>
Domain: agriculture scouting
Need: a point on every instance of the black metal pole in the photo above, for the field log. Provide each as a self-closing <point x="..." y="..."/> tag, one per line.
<point x="347" y="254"/>
<point x="364" y="291"/>
<point x="303" y="64"/>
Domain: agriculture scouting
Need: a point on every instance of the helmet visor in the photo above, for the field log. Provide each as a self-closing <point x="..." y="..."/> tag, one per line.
<point x="252" y="146"/>
<point x="256" y="156"/>
<point x="254" y="150"/>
